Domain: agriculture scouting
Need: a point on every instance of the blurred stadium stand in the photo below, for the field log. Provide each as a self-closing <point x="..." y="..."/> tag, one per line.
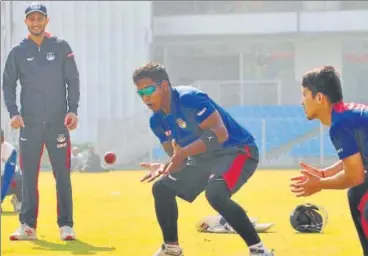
<point x="247" y="55"/>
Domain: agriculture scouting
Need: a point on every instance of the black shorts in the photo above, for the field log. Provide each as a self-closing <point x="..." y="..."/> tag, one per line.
<point x="234" y="166"/>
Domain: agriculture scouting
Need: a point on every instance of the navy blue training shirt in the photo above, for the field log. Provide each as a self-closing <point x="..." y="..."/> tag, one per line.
<point x="49" y="80"/>
<point x="349" y="130"/>
<point x="189" y="108"/>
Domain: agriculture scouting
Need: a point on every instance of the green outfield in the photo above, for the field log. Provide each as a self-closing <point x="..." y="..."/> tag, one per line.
<point x="114" y="216"/>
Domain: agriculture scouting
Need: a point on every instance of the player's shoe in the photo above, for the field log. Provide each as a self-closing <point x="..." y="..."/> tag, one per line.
<point x="258" y="252"/>
<point x="67" y="233"/>
<point x="167" y="250"/>
<point x="16" y="204"/>
<point x="24" y="232"/>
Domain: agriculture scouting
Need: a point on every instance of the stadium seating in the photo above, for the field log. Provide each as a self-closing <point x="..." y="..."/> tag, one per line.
<point x="279" y="124"/>
<point x="312" y="147"/>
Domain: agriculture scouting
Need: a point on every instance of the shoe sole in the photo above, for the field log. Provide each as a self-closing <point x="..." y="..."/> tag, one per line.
<point x="14" y="238"/>
<point x="68" y="238"/>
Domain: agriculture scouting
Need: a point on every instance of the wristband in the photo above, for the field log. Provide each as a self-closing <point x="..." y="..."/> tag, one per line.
<point x="210" y="139"/>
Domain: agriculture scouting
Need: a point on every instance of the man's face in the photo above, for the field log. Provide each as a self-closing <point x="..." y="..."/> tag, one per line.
<point x="151" y="92"/>
<point x="36" y="23"/>
<point x="311" y="104"/>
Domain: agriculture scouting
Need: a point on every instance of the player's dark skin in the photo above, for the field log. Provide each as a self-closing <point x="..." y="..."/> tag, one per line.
<point x="160" y="101"/>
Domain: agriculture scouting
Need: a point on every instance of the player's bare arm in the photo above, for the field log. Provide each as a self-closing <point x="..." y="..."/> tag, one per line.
<point x="333" y="169"/>
<point x="351" y="176"/>
<point x="167" y="146"/>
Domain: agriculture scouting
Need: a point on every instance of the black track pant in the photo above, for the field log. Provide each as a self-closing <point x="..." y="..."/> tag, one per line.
<point x="33" y="138"/>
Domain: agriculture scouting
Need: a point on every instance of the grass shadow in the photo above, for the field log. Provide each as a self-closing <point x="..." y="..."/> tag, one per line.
<point x="9" y="213"/>
<point x="76" y="247"/>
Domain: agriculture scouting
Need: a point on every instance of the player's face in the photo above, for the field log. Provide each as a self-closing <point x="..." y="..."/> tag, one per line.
<point x="36" y="23"/>
<point x="310" y="103"/>
<point x="151" y="92"/>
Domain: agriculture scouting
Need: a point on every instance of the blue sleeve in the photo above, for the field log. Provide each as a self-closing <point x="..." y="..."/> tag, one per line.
<point x="158" y="129"/>
<point x="9" y="170"/>
<point x="71" y="75"/>
<point x="201" y="104"/>
<point x="343" y="139"/>
<point x="10" y="77"/>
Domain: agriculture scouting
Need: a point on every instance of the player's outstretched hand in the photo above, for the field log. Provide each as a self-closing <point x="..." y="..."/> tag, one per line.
<point x="155" y="171"/>
<point x="177" y="159"/>
<point x="310" y="169"/>
<point x="306" y="186"/>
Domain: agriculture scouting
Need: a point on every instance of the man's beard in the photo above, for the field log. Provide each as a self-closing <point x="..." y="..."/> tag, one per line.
<point x="36" y="34"/>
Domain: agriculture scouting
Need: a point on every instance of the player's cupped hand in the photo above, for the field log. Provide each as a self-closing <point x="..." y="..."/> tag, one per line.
<point x="306" y="184"/>
<point x="177" y="159"/>
<point x="155" y="171"/>
<point x="310" y="169"/>
<point x="71" y="121"/>
<point x="17" y="122"/>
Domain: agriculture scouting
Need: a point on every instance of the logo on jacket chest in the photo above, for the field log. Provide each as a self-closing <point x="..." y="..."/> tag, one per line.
<point x="50" y="56"/>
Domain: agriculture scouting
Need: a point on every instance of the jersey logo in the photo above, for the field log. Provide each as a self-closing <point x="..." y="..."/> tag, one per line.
<point x="50" y="56"/>
<point x="201" y="112"/>
<point x="30" y="59"/>
<point x="181" y="123"/>
<point x="61" y="138"/>
<point x="172" y="178"/>
<point x="357" y="106"/>
<point x="339" y="150"/>
<point x="168" y="133"/>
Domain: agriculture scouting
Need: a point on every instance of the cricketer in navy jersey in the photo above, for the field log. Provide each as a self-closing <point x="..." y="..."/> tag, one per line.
<point x="323" y="100"/>
<point x="208" y="152"/>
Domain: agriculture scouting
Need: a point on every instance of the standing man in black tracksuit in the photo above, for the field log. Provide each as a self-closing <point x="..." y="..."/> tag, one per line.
<point x="49" y="79"/>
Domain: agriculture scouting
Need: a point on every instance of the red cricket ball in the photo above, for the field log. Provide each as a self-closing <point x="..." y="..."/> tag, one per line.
<point x="110" y="157"/>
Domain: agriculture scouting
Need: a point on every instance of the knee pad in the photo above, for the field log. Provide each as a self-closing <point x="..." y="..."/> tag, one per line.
<point x="159" y="190"/>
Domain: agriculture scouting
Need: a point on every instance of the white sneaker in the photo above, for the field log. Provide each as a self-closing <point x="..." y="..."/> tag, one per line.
<point x="24" y="232"/>
<point x="167" y="250"/>
<point x="67" y="233"/>
<point x="16" y="204"/>
<point x="261" y="253"/>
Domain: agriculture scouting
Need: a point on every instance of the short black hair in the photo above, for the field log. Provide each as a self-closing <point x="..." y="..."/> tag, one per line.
<point x="151" y="70"/>
<point x="325" y="80"/>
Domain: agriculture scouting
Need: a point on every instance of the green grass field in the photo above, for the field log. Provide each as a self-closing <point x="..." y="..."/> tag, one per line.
<point x="114" y="216"/>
